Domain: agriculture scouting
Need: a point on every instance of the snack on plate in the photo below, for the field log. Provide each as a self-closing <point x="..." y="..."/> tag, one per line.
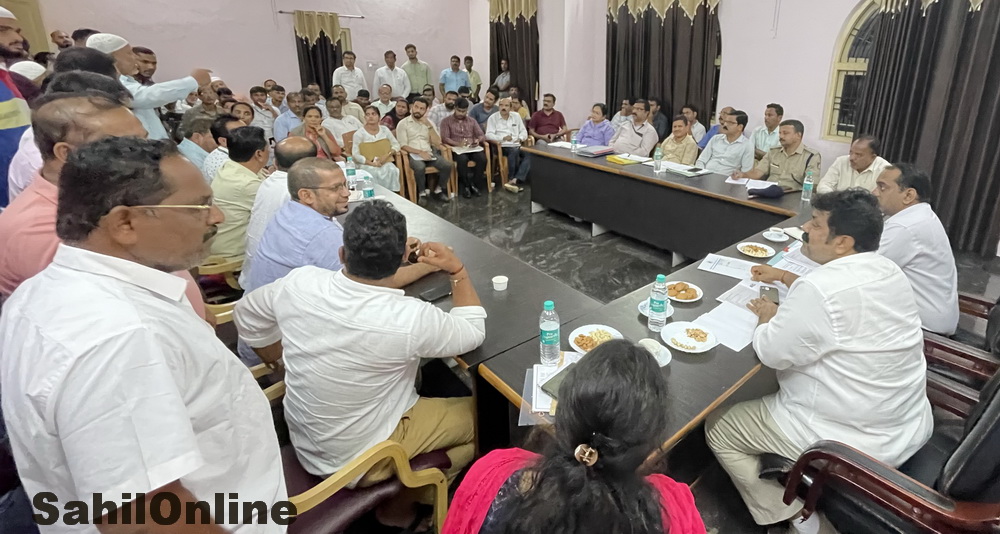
<point x="588" y="342"/>
<point x="678" y="344"/>
<point x="697" y="334"/>
<point x="682" y="291"/>
<point x="755" y="251"/>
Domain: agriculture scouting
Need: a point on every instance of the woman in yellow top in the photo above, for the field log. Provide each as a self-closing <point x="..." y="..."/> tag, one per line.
<point x="680" y="147"/>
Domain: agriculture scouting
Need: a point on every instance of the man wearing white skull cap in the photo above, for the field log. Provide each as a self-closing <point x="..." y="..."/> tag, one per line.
<point x="146" y="98"/>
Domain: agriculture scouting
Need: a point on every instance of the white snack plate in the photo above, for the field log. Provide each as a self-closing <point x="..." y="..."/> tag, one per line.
<point x="677" y="331"/>
<point x="694" y="287"/>
<point x="644" y="308"/>
<point x="777" y="237"/>
<point x="587" y="329"/>
<point x="770" y="251"/>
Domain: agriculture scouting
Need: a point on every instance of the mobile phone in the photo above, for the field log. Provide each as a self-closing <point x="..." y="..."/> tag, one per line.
<point x="551" y="386"/>
<point x="769" y="293"/>
<point x="436" y="293"/>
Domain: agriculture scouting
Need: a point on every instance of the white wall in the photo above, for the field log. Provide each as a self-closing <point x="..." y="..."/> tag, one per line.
<point x="572" y="55"/>
<point x="789" y="64"/>
<point x="247" y="41"/>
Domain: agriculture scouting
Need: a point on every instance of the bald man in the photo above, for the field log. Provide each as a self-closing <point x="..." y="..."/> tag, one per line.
<point x="273" y="192"/>
<point x="61" y="39"/>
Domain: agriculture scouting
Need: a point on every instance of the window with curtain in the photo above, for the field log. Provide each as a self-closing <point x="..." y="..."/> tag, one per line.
<point x="854" y="49"/>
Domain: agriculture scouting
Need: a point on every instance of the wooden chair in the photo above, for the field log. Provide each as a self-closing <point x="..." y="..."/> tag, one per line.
<point x="348" y="143"/>
<point x="329" y="505"/>
<point x="228" y="268"/>
<point x="410" y="183"/>
<point x="487" y="172"/>
<point x="949" y="486"/>
<point x="502" y="165"/>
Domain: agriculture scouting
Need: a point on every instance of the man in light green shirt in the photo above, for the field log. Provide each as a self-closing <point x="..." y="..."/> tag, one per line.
<point x="235" y="187"/>
<point x="476" y="83"/>
<point x="418" y="71"/>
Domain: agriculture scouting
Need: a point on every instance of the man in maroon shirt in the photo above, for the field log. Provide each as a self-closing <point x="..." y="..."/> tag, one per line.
<point x="547" y="124"/>
<point x="463" y="134"/>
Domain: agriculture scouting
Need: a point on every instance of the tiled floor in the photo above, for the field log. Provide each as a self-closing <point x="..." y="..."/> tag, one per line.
<point x="608" y="266"/>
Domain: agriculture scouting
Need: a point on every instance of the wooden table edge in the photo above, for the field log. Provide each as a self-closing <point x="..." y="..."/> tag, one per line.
<point x="624" y="172"/>
<point x="500" y="385"/>
<point x="692" y="424"/>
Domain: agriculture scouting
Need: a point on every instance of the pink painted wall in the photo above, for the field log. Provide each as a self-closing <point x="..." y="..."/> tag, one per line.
<point x="788" y="63"/>
<point x="247" y="41"/>
<point x="572" y="51"/>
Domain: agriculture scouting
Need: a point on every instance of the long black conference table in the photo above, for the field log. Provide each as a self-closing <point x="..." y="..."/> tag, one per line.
<point x="697" y="384"/>
<point x="512" y="315"/>
<point x="688" y="216"/>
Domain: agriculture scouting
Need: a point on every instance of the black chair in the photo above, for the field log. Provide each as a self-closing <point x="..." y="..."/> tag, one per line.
<point x="951" y="485"/>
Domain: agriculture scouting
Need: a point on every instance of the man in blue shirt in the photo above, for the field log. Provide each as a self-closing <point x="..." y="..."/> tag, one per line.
<point x="291" y="119"/>
<point x="306" y="232"/>
<point x="453" y="78"/>
<point x="198" y="142"/>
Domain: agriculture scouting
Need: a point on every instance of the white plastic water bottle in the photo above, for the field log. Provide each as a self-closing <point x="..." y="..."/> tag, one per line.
<point x="548" y="343"/>
<point x="351" y="173"/>
<point x="658" y="304"/>
<point x="369" y="188"/>
<point x="657" y="166"/>
<point x="807" y="187"/>
<point x="573" y="145"/>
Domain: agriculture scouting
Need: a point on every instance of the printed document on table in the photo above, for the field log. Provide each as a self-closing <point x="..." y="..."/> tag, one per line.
<point x="732" y="325"/>
<point x="726" y="266"/>
<point x="633" y="157"/>
<point x="564" y="144"/>
<point x="737" y="181"/>
<point x="540" y="400"/>
<point x="758" y="184"/>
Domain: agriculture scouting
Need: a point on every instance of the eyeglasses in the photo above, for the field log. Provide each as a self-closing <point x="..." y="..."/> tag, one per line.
<point x="177" y="206"/>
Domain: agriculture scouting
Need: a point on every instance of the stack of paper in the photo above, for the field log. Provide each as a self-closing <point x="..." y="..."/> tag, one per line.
<point x="564" y="144"/>
<point x="726" y="266"/>
<point x="732" y="325"/>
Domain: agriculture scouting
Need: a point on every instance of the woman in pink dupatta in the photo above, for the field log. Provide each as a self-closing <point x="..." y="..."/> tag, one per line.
<point x="610" y="417"/>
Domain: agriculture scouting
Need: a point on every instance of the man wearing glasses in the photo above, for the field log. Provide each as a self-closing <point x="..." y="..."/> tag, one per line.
<point x="730" y="151"/>
<point x="111" y="385"/>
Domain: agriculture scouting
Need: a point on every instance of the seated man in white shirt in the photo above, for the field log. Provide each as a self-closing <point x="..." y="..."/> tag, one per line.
<point x="508" y="129"/>
<point x="352" y="348"/>
<point x="915" y="239"/>
<point x="729" y="151"/>
<point x="859" y="168"/>
<point x="140" y="397"/>
<point x="637" y="137"/>
<point x="338" y="123"/>
<point x="848" y="349"/>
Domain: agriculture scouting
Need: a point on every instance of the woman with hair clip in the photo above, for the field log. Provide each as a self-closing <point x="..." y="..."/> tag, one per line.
<point x="610" y="417"/>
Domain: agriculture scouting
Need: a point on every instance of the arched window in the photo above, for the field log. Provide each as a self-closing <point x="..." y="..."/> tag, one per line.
<point x="854" y="49"/>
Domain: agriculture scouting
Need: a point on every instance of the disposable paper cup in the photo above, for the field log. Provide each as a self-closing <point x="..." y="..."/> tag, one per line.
<point x="499" y="283"/>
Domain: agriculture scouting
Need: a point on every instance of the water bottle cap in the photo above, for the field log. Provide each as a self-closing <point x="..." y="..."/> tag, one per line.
<point x="549" y="305"/>
<point x="660" y="278"/>
<point x="349" y="158"/>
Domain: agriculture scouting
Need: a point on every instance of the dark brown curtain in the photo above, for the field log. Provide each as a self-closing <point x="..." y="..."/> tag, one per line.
<point x="317" y="62"/>
<point x="517" y="42"/>
<point x="932" y="96"/>
<point x="671" y="58"/>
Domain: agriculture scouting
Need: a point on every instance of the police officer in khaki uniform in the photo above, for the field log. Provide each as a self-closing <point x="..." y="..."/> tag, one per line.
<point x="788" y="163"/>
